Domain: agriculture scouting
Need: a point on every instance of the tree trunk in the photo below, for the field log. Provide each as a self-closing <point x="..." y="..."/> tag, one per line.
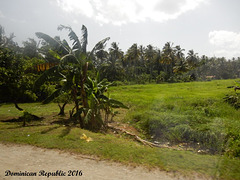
<point x="83" y="78"/>
<point x="137" y="138"/>
<point x="20" y="109"/>
<point x="76" y="101"/>
<point x="16" y="106"/>
<point x="62" y="113"/>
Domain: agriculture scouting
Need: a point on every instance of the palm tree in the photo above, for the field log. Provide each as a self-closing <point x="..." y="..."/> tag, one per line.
<point x="131" y="60"/>
<point x="150" y="54"/>
<point x="192" y="59"/>
<point x="101" y="57"/>
<point x="112" y="69"/>
<point x="168" y="53"/>
<point x="168" y="58"/>
<point x="181" y="65"/>
<point x="132" y="55"/>
<point x="179" y="53"/>
<point x="158" y="58"/>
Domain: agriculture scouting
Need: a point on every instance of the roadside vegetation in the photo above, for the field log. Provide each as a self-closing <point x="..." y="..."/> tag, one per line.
<point x="57" y="94"/>
<point x="191" y="114"/>
<point x="159" y="113"/>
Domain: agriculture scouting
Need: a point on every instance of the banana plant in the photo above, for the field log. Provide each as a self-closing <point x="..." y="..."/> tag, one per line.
<point x="71" y="72"/>
<point x="99" y="104"/>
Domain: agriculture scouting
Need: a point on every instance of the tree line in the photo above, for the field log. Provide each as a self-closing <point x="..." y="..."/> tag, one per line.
<point x="20" y="67"/>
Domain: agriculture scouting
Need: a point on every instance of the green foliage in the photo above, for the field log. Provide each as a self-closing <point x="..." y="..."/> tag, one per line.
<point x="16" y="85"/>
<point x="28" y="117"/>
<point x="162" y="77"/>
<point x="71" y="77"/>
<point x="191" y="113"/>
<point x="234" y="97"/>
<point x="121" y="149"/>
<point x="233" y="143"/>
<point x="64" y="97"/>
<point x="30" y="49"/>
<point x="97" y="102"/>
<point x="142" y="79"/>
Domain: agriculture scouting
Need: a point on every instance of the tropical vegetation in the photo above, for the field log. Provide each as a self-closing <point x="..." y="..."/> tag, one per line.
<point x="168" y="97"/>
<point x="67" y="73"/>
<point x="196" y="131"/>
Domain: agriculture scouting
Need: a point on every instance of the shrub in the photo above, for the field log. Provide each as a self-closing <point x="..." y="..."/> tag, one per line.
<point x="233" y="99"/>
<point x="162" y="77"/>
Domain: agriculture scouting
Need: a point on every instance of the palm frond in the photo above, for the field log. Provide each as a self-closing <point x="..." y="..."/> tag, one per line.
<point x="65" y="88"/>
<point x="69" y="58"/>
<point x="117" y="104"/>
<point x="88" y="116"/>
<point x="72" y="36"/>
<point x="54" y="54"/>
<point x="52" y="96"/>
<point x="65" y="43"/>
<point x="51" y="41"/>
<point x="100" y="45"/>
<point x="84" y="39"/>
<point x="45" y="76"/>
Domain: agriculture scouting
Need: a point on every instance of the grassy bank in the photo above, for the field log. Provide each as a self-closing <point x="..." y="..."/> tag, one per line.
<point x="192" y="113"/>
<point x="120" y="149"/>
<point x="174" y="113"/>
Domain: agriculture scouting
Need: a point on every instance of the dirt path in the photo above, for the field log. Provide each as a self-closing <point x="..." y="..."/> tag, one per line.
<point x="21" y="158"/>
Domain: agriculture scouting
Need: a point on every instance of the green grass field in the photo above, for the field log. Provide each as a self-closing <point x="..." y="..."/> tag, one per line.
<point x="193" y="113"/>
<point x="183" y="113"/>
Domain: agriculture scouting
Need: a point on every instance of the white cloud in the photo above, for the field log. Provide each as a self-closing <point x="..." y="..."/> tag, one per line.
<point x="1" y="15"/>
<point x="75" y="21"/>
<point x="120" y="12"/>
<point x="226" y="43"/>
<point x="77" y="6"/>
<point x="22" y="21"/>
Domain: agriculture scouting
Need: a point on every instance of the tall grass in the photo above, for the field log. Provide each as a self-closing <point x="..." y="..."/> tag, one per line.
<point x="193" y="113"/>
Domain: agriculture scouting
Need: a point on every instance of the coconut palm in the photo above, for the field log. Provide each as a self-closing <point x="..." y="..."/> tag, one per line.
<point x="150" y="54"/>
<point x="181" y="65"/>
<point x="131" y="61"/>
<point x="179" y="53"/>
<point x="168" y="53"/>
<point x="112" y="69"/>
<point x="157" y="63"/>
<point x="168" y="58"/>
<point x="132" y="55"/>
<point x="192" y="59"/>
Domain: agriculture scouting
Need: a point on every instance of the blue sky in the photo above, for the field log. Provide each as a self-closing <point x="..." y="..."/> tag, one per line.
<point x="209" y="27"/>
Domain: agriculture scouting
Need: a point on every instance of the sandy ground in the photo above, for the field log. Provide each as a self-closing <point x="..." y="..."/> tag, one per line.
<point x="23" y="158"/>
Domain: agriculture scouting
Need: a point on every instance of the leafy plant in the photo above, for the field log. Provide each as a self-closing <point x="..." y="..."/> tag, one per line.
<point x="72" y="77"/>
<point x="99" y="104"/>
<point x="234" y="97"/>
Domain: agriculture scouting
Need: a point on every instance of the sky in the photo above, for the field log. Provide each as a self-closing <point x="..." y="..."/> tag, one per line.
<point x="209" y="27"/>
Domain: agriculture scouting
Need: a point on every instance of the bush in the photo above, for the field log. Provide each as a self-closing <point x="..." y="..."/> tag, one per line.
<point x="142" y="78"/>
<point x="162" y="77"/>
<point x="172" y="128"/>
<point x="118" y="83"/>
<point x="233" y="99"/>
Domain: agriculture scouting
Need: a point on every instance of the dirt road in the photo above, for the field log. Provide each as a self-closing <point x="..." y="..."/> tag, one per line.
<point x="38" y="163"/>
